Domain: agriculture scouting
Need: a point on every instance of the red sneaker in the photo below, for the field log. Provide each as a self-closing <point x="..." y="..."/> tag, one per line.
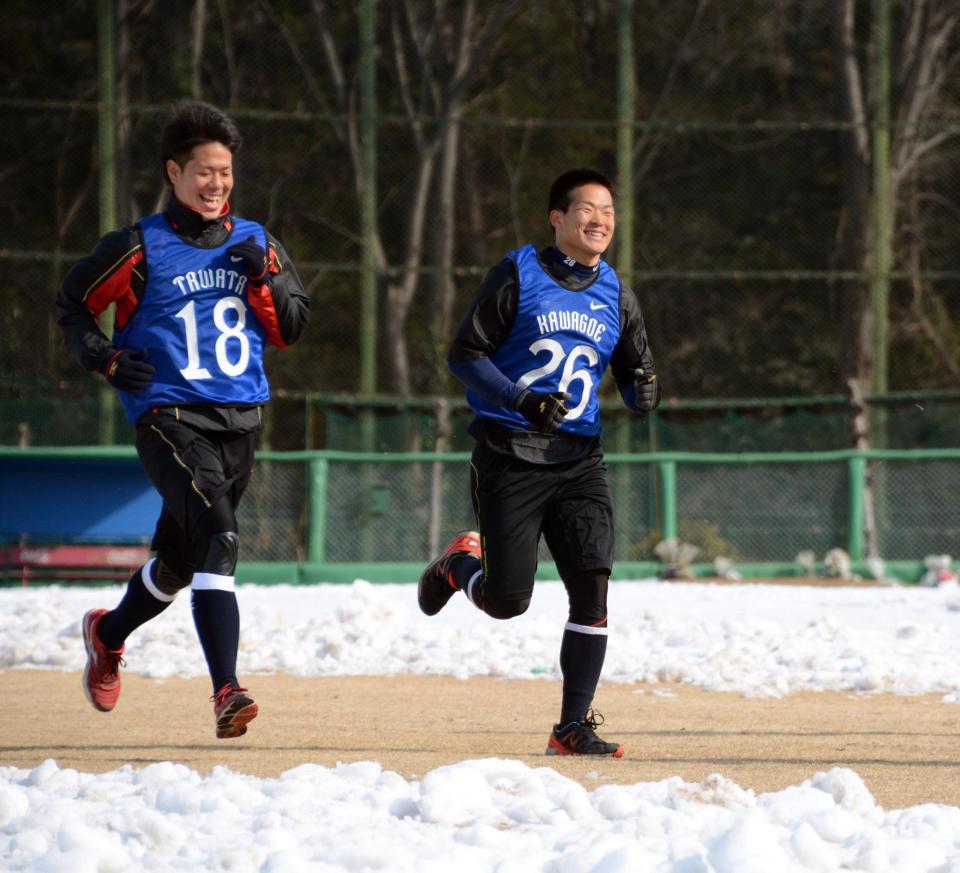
<point x="101" y="676"/>
<point x="233" y="708"/>
<point x="580" y="738"/>
<point x="437" y="585"/>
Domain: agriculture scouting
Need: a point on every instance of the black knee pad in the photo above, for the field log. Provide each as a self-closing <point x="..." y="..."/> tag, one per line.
<point x="222" y="552"/>
<point x="170" y="580"/>
<point x="503" y="609"/>
<point x="587" y="593"/>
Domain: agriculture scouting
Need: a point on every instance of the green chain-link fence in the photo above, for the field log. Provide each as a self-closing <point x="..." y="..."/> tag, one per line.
<point x="331" y="508"/>
<point x="336" y="516"/>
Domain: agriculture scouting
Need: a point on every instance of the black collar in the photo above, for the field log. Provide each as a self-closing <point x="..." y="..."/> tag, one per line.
<point x="564" y="266"/>
<point x="190" y="224"/>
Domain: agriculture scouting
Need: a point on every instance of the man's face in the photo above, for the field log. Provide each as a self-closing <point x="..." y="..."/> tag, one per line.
<point x="204" y="183"/>
<point x="585" y="230"/>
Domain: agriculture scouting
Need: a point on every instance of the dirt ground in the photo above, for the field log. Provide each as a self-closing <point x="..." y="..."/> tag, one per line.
<point x="905" y="748"/>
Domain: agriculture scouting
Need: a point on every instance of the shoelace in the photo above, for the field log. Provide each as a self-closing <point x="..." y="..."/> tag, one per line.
<point x="224" y="693"/>
<point x="112" y="662"/>
<point x="593" y="719"/>
<point x="587" y="734"/>
<point x="586" y="730"/>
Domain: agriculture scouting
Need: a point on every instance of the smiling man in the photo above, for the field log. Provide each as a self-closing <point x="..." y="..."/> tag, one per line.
<point x="531" y="351"/>
<point x="199" y="294"/>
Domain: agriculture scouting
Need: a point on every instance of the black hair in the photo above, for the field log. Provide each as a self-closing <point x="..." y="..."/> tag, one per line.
<point x="561" y="190"/>
<point x="192" y="123"/>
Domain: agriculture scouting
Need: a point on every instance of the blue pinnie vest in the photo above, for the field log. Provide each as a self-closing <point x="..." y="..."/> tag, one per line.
<point x="200" y="333"/>
<point x="561" y="340"/>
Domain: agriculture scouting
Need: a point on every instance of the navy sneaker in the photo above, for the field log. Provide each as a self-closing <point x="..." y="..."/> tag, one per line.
<point x="580" y="738"/>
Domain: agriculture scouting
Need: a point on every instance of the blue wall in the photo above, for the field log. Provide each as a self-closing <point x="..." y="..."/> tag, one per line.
<point x="47" y="499"/>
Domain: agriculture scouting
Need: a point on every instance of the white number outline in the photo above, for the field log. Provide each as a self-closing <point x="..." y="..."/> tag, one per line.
<point x="570" y="374"/>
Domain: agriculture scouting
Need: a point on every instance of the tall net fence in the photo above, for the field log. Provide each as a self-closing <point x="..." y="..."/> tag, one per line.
<point x="58" y="415"/>
<point x="274" y="514"/>
<point x="746" y="509"/>
<point x="763" y="511"/>
<point x="748" y="233"/>
<point x="914" y="506"/>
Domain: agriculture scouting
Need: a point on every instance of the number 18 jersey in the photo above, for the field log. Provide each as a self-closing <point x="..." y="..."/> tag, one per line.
<point x="204" y="340"/>
<point x="561" y="340"/>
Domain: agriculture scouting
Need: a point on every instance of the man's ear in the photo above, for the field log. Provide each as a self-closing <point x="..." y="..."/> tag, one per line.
<point x="173" y="171"/>
<point x="555" y="217"/>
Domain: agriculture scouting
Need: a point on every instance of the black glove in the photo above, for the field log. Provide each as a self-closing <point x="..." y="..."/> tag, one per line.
<point x="254" y="258"/>
<point x="129" y="370"/>
<point x="646" y="390"/>
<point x="544" y="411"/>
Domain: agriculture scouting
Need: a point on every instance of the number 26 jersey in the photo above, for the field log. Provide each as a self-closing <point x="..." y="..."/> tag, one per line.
<point x="561" y="340"/>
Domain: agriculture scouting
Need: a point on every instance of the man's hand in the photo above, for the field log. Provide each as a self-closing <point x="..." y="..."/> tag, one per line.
<point x="645" y="390"/>
<point x="129" y="370"/>
<point x="253" y="257"/>
<point x="544" y="411"/>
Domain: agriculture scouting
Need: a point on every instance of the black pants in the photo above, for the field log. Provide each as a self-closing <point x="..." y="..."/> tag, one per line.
<point x="516" y="501"/>
<point x="192" y="470"/>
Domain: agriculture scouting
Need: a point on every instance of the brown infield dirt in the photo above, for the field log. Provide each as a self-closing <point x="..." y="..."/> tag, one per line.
<point x="905" y="748"/>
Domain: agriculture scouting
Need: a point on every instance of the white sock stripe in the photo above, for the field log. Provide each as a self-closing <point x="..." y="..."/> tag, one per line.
<point x="587" y="629"/>
<point x="146" y="574"/>
<point x="212" y="582"/>
<point x="470" y="585"/>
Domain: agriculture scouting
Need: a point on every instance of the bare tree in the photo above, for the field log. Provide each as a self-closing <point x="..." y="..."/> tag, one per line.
<point x="229" y="53"/>
<point x="436" y="50"/>
<point x="927" y="316"/>
<point x="653" y="138"/>
<point x="69" y="201"/>
<point x="198" y="26"/>
<point x="926" y="51"/>
<point x="445" y="50"/>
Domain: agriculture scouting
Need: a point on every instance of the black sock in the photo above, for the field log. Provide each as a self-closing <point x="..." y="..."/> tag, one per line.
<point x="137" y="607"/>
<point x="217" y="619"/>
<point x="463" y="570"/>
<point x="581" y="660"/>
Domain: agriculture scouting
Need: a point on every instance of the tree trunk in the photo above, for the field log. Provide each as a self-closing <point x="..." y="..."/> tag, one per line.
<point x="854" y="319"/>
<point x="198" y="27"/>
<point x="444" y="287"/>
<point x="400" y="293"/>
<point x="920" y="69"/>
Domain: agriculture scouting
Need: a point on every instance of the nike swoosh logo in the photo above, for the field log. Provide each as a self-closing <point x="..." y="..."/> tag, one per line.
<point x="235" y="259"/>
<point x="598" y="305"/>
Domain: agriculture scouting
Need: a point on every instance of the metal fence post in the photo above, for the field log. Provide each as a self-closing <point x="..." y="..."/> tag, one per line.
<point x="668" y="498"/>
<point x="368" y="201"/>
<point x="317" y="516"/>
<point x="626" y="117"/>
<point x="857" y="466"/>
<point x="107" y="176"/>
<point x="883" y="211"/>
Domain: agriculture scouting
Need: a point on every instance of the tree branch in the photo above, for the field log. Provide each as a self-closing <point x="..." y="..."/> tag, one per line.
<point x="851" y="90"/>
<point x="924" y="82"/>
<point x="309" y="78"/>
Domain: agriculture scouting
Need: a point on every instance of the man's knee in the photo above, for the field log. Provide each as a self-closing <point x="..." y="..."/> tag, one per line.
<point x="215" y="539"/>
<point x="587" y="593"/>
<point x="221" y="555"/>
<point x="165" y="580"/>
<point x="505" y="607"/>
